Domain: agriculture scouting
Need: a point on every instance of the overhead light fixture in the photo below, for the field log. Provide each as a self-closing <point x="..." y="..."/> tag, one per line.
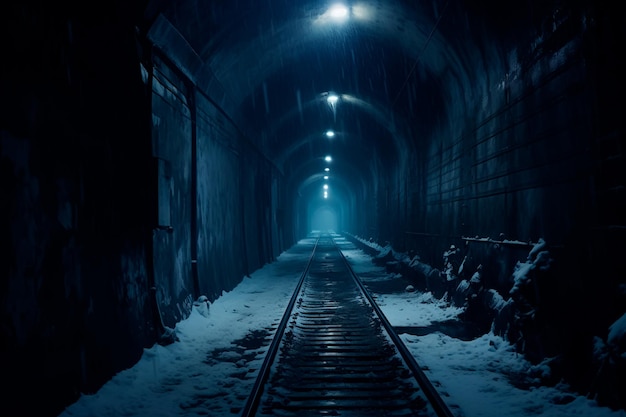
<point x="326" y="186"/>
<point x="326" y="169"/>
<point x="325" y="177"/>
<point x="330" y="133"/>
<point x="332" y="100"/>
<point x="338" y="12"/>
<point x="325" y="194"/>
<point x="328" y="158"/>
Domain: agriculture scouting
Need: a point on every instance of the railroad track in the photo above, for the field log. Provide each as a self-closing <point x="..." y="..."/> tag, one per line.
<point x="335" y="354"/>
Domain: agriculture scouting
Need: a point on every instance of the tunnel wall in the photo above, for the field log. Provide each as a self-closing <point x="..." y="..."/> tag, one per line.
<point x="77" y="206"/>
<point x="515" y="166"/>
<point x="172" y="149"/>
<point x="370" y="220"/>
<point x="529" y="150"/>
<point x="218" y="196"/>
<point x="220" y="212"/>
<point x="518" y="158"/>
<point x="107" y="234"/>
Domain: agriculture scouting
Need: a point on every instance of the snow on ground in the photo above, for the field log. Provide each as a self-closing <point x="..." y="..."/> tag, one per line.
<point x="211" y="369"/>
<point x="401" y="308"/>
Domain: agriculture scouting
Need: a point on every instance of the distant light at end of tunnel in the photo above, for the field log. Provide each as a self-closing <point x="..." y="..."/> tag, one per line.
<point x="328" y="158"/>
<point x="326" y="169"/>
<point x="330" y="133"/>
<point x="338" y="12"/>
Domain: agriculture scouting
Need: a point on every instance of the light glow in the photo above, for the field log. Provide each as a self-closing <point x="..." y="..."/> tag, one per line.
<point x="330" y="133"/>
<point x="328" y="158"/>
<point x="338" y="12"/>
<point x="332" y="99"/>
<point x="326" y="186"/>
<point x="325" y="194"/>
<point x="327" y="169"/>
<point x="325" y="177"/>
<point x="362" y="12"/>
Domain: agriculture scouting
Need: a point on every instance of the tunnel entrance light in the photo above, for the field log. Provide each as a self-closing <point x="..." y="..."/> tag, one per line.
<point x="330" y="134"/>
<point x="328" y="158"/>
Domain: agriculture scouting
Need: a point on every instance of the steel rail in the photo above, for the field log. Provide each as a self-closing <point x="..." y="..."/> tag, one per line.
<point x="431" y="393"/>
<point x="257" y="390"/>
<point x="332" y="349"/>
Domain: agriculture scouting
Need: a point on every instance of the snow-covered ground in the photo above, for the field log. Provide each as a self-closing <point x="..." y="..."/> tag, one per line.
<point x="211" y="369"/>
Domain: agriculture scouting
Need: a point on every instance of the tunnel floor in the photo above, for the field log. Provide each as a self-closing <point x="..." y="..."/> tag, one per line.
<point x="212" y="368"/>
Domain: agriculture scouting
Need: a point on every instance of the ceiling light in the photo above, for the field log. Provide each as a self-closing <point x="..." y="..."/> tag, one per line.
<point x="332" y="99"/>
<point x="326" y="169"/>
<point x="338" y="12"/>
<point x="328" y="158"/>
<point x="330" y="133"/>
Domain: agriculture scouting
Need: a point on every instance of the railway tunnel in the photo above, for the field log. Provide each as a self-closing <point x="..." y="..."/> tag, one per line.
<point x="156" y="151"/>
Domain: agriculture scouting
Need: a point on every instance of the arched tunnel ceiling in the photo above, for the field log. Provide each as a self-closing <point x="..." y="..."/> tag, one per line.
<point x="394" y="65"/>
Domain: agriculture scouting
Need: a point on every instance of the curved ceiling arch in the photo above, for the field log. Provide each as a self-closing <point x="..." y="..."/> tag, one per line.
<point x="345" y="174"/>
<point x="286" y="153"/>
<point x="271" y="55"/>
<point x="340" y="183"/>
<point x="377" y="112"/>
<point x="244" y="44"/>
<point x="341" y="194"/>
<point x="289" y="153"/>
<point x="249" y="50"/>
